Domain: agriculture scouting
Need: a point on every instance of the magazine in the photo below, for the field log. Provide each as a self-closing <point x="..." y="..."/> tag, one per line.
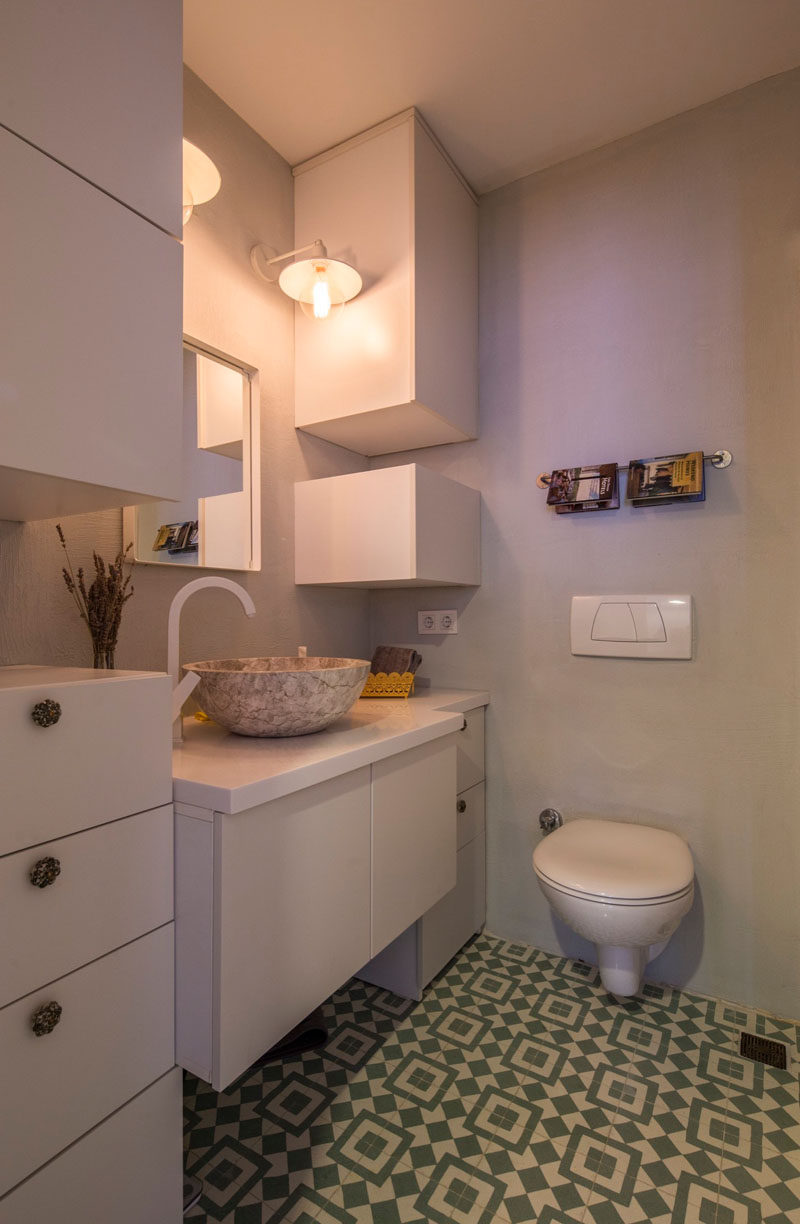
<point x="608" y="503"/>
<point x="666" y="479"/>
<point x="582" y="485"/>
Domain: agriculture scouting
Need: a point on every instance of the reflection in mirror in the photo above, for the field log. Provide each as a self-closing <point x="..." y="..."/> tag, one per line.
<point x="216" y="522"/>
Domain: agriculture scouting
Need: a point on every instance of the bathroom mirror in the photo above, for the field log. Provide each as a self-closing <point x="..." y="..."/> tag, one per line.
<point x="216" y="524"/>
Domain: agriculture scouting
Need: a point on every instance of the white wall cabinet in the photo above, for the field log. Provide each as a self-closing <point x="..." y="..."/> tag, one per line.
<point x="398" y="369"/>
<point x="279" y="905"/>
<point x="87" y="923"/>
<point x="396" y="526"/>
<point x="96" y="84"/>
<point x="418" y="953"/>
<point x="90" y="324"/>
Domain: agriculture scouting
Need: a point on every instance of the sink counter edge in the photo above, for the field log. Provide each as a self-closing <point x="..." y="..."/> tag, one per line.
<point x="222" y="772"/>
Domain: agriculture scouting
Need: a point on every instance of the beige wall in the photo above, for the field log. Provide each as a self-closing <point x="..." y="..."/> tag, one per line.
<point x="229" y="308"/>
<point x="637" y="301"/>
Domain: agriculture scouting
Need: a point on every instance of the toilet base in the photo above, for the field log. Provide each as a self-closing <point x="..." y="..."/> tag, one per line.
<point x="621" y="968"/>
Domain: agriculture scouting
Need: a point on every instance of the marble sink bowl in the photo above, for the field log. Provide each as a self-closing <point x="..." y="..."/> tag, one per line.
<point x="279" y="696"/>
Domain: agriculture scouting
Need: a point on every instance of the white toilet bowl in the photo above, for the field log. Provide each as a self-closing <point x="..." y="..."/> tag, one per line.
<point x="625" y="887"/>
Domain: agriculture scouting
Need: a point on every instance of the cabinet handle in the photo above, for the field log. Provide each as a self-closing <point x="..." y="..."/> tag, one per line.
<point x="45" y="871"/>
<point x="45" y="1018"/>
<point x="461" y="805"/>
<point x="46" y="713"/>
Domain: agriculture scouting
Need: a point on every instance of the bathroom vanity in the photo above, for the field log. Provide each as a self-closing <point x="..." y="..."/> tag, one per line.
<point x="300" y="860"/>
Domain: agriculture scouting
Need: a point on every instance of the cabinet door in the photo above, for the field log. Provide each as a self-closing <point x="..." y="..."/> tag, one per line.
<point x="292" y="913"/>
<point x="90" y="345"/>
<point x="413" y="836"/>
<point x="97" y="85"/>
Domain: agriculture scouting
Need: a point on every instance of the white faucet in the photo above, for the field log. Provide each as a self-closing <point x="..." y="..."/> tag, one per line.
<point x="182" y="689"/>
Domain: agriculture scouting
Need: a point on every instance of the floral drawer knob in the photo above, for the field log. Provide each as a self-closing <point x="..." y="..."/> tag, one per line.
<point x="45" y="1018"/>
<point x="44" y="872"/>
<point x="46" y="713"/>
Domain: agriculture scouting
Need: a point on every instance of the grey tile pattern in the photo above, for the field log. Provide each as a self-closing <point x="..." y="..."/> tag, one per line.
<point x="516" y="1090"/>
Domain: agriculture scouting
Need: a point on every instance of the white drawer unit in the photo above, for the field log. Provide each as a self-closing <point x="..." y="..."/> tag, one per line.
<point x="101" y="749"/>
<point x="121" y="1172"/>
<point x="420" y="951"/>
<point x="87" y="949"/>
<point x="55" y="893"/>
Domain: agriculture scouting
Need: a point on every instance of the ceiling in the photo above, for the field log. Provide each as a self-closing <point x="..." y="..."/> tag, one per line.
<point x="509" y="86"/>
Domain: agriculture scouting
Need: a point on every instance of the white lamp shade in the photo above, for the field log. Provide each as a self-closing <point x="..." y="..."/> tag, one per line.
<point x="298" y="279"/>
<point x="201" y="178"/>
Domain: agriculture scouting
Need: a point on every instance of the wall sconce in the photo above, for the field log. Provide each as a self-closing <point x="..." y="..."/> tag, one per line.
<point x="201" y="178"/>
<point x="321" y="285"/>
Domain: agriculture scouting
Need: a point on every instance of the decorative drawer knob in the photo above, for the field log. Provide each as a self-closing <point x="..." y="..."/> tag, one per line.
<point x="45" y="1018"/>
<point x="46" y="713"/>
<point x="461" y="805"/>
<point x="45" y="871"/>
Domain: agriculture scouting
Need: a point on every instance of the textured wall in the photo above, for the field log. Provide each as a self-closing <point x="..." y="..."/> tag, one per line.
<point x="636" y="301"/>
<point x="229" y="308"/>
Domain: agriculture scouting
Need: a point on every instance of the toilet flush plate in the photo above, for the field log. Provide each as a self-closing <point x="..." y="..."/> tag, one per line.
<point x="632" y="626"/>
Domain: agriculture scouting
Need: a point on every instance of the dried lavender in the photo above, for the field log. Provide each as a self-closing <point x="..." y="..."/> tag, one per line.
<point x="100" y="606"/>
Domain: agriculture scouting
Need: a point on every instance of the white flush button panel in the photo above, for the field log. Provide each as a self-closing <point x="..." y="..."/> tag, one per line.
<point x="632" y="626"/>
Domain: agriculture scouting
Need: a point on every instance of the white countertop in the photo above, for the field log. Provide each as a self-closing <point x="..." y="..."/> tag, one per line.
<point x="216" y="770"/>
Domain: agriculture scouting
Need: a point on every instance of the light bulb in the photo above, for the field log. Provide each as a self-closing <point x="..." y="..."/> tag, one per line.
<point x="321" y="295"/>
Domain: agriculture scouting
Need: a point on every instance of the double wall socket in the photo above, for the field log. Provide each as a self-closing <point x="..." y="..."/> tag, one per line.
<point x="443" y="621"/>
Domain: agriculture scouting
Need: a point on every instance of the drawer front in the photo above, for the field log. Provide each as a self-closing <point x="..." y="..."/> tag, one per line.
<point x="115" y="1036"/>
<point x="109" y="755"/>
<point x="114" y="884"/>
<point x="469" y="742"/>
<point x="127" y="1170"/>
<point x="471" y="812"/>
<point x="454" y="919"/>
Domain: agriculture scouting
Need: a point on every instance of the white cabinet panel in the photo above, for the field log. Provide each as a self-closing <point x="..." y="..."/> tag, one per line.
<point x="127" y="1170"/>
<point x="90" y="345"/>
<point x="396" y="526"/>
<point x="470" y="743"/>
<point x="398" y="370"/>
<point x="293" y="892"/>
<point x="115" y="1036"/>
<point x="413" y="836"/>
<point x="115" y="884"/>
<point x="450" y="923"/>
<point x="107" y="756"/>
<point x="97" y="85"/>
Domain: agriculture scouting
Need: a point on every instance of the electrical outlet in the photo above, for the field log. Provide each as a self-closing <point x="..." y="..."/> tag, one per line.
<point x="441" y="621"/>
<point x="448" y="620"/>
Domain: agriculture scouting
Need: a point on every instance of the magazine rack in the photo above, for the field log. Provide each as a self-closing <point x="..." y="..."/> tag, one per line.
<point x="719" y="459"/>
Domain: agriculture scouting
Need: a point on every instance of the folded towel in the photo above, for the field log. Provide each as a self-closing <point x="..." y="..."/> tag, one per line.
<point x="395" y="659"/>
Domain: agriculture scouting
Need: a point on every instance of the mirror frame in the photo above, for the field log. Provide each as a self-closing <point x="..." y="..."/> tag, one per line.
<point x="251" y="461"/>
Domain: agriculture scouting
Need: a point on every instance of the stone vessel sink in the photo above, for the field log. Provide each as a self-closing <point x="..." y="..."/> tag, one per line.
<point x="279" y="696"/>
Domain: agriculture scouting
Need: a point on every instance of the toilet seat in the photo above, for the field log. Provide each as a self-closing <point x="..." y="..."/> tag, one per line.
<point x="600" y="899"/>
<point x="614" y="863"/>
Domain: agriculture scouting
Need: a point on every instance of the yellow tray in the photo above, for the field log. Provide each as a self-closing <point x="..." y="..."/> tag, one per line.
<point x="379" y="684"/>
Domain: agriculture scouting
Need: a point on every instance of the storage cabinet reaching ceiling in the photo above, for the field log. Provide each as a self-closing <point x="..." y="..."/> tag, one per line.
<point x="90" y="327"/>
<point x="396" y="526"/>
<point x="397" y="369"/>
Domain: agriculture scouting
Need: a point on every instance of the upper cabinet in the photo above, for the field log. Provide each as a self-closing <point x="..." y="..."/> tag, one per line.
<point x="90" y="333"/>
<point x="96" y="84"/>
<point x="397" y="369"/>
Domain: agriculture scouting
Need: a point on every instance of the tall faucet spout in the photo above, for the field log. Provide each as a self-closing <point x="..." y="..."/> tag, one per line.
<point x="173" y="626"/>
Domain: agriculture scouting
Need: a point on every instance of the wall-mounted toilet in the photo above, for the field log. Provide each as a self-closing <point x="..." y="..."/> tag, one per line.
<point x="625" y="887"/>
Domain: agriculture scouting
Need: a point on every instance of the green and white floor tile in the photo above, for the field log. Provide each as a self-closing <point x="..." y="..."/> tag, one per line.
<point x="517" y="1090"/>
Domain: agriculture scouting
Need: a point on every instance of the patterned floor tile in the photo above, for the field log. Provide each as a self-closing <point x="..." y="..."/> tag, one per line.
<point x="516" y="1090"/>
<point x="536" y="1183"/>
